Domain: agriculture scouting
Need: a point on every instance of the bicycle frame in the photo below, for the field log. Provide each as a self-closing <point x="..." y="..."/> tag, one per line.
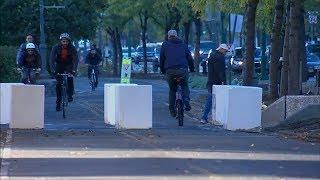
<point x="29" y="78"/>
<point x="179" y="103"/>
<point x="93" y="77"/>
<point x="64" y="89"/>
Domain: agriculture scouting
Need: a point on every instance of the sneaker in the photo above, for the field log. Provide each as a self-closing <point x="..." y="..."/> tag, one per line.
<point x="58" y="107"/>
<point x="70" y="99"/>
<point x="202" y="121"/>
<point x="173" y="113"/>
<point x="187" y="106"/>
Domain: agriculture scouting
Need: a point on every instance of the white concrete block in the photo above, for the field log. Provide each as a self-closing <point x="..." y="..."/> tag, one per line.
<point x="27" y="107"/>
<point x="110" y="103"/>
<point x="237" y="107"/>
<point x="134" y="107"/>
<point x="5" y="101"/>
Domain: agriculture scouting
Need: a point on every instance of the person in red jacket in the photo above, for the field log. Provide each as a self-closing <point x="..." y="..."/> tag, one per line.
<point x="64" y="59"/>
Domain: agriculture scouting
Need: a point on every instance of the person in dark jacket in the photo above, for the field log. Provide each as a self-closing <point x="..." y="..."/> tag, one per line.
<point x="98" y="50"/>
<point x="175" y="58"/>
<point x="22" y="48"/>
<point x="64" y="59"/>
<point x="216" y="76"/>
<point x="93" y="59"/>
<point x="29" y="62"/>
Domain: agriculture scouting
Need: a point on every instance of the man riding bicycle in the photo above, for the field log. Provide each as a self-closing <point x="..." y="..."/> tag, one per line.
<point x="29" y="62"/>
<point x="64" y="59"/>
<point x="175" y="58"/>
<point x="93" y="59"/>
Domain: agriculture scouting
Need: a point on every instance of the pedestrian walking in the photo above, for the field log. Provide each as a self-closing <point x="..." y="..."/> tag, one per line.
<point x="216" y="76"/>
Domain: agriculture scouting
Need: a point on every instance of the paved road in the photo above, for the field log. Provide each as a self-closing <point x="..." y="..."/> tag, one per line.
<point x="82" y="147"/>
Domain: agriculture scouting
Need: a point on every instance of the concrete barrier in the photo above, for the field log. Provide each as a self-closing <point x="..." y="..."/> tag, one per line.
<point x="134" y="107"/>
<point x="110" y="102"/>
<point x="285" y="107"/>
<point x="27" y="107"/>
<point x="5" y="101"/>
<point x="237" y="107"/>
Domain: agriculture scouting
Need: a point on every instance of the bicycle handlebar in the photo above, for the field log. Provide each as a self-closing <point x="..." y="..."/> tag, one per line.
<point x="65" y="74"/>
<point x="33" y="69"/>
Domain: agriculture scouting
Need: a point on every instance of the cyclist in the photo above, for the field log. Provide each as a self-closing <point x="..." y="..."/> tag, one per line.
<point x="216" y="76"/>
<point x="175" y="58"/>
<point x="98" y="50"/>
<point x="29" y="62"/>
<point x="63" y="59"/>
<point x="93" y="59"/>
<point x="22" y="47"/>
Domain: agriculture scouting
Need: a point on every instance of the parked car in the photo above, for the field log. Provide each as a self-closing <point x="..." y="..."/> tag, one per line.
<point x="151" y="55"/>
<point x="313" y="58"/>
<point x="237" y="61"/>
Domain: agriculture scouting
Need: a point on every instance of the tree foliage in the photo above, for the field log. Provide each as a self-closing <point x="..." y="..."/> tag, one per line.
<point x="18" y="18"/>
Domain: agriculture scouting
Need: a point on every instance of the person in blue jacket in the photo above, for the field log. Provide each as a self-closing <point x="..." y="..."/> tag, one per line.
<point x="175" y="59"/>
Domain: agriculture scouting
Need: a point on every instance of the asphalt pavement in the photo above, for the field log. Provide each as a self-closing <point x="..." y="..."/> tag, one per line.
<point x="83" y="147"/>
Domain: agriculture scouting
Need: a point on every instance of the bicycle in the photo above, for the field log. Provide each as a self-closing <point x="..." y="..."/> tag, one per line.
<point x="93" y="77"/>
<point x="64" y="93"/>
<point x="29" y="79"/>
<point x="179" y="105"/>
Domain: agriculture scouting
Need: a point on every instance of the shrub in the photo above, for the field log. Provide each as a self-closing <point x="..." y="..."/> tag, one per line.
<point x="197" y="81"/>
<point x="8" y="72"/>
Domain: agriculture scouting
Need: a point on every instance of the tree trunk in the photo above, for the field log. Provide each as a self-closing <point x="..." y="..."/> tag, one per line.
<point x="285" y="55"/>
<point x="229" y="29"/>
<point x="144" y="22"/>
<point x="303" y="53"/>
<point x="197" y="43"/>
<point x="177" y="19"/>
<point x="250" y="37"/>
<point x="263" y="57"/>
<point x="294" y="48"/>
<point x="112" y="35"/>
<point x="208" y="27"/>
<point x="119" y="49"/>
<point x="275" y="46"/>
<point x="259" y="37"/>
<point x="223" y="32"/>
<point x="234" y="28"/>
<point x="186" y="27"/>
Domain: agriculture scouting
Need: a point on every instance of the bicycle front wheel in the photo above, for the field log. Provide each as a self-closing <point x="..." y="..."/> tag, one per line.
<point x="92" y="83"/>
<point x="64" y="101"/>
<point x="179" y="106"/>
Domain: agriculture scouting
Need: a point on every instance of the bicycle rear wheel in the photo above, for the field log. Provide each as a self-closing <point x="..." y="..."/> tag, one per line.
<point x="179" y="106"/>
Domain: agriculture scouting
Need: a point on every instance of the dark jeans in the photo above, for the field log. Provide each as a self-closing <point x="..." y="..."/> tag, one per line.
<point x="207" y="107"/>
<point x="70" y="88"/>
<point x="171" y="74"/>
<point x="96" y="69"/>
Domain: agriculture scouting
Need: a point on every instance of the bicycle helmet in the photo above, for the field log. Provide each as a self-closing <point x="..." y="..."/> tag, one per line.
<point x="65" y="36"/>
<point x="30" y="46"/>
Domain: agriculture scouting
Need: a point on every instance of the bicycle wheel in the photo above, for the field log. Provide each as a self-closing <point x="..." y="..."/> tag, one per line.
<point x="179" y="106"/>
<point x="64" y="102"/>
<point x="93" y="81"/>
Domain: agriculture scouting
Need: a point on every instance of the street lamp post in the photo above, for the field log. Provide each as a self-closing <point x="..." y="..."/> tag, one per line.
<point x="43" y="46"/>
